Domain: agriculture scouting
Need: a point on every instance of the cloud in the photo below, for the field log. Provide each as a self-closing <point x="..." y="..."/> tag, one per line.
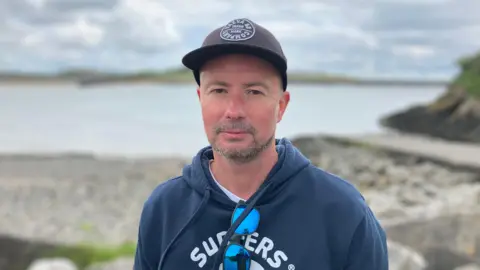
<point x="425" y="36"/>
<point x="369" y="38"/>
<point x="93" y="33"/>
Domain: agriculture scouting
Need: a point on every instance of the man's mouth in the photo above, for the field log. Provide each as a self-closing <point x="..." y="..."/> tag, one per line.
<point x="234" y="131"/>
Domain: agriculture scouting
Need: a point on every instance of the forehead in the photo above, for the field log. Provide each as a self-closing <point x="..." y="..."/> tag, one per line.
<point x="239" y="65"/>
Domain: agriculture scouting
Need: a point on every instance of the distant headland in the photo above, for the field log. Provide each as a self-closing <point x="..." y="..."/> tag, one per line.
<point x="455" y="115"/>
<point x="87" y="78"/>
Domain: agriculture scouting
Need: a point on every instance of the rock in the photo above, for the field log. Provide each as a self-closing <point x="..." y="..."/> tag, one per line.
<point x="52" y="264"/>
<point x="404" y="258"/>
<point x="420" y="120"/>
<point x="118" y="264"/>
<point x="445" y="242"/>
<point x="19" y="254"/>
<point x="39" y="196"/>
<point x="472" y="266"/>
<point x="444" y="259"/>
<point x="453" y="116"/>
<point x="396" y="187"/>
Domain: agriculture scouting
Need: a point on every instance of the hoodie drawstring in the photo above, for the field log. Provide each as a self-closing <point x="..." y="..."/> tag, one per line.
<point x="202" y="205"/>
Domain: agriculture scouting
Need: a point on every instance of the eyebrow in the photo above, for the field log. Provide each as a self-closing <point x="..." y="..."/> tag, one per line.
<point x="220" y="83"/>
<point x="245" y="85"/>
<point x="251" y="84"/>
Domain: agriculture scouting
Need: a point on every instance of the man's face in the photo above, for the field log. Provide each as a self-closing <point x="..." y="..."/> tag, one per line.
<point x="242" y="101"/>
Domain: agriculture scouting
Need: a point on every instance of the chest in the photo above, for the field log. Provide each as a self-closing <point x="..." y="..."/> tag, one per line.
<point x="278" y="243"/>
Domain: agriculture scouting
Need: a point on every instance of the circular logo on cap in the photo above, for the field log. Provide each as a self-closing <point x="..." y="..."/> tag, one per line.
<point x="238" y="30"/>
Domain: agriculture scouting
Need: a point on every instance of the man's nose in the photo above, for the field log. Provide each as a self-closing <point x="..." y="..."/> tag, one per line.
<point x="235" y="107"/>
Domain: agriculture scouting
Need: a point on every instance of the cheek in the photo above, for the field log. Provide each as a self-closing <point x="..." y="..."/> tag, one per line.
<point x="264" y="118"/>
<point x="210" y="114"/>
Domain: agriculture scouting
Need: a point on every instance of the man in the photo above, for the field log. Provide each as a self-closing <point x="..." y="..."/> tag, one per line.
<point x="250" y="201"/>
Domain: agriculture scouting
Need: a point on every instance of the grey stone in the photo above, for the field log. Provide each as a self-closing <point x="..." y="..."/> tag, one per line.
<point x="123" y="263"/>
<point x="446" y="242"/>
<point x="40" y="196"/>
<point x="404" y="258"/>
<point x="472" y="266"/>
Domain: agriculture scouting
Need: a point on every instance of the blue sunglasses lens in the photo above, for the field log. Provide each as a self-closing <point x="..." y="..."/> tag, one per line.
<point x="236" y="258"/>
<point x="249" y="224"/>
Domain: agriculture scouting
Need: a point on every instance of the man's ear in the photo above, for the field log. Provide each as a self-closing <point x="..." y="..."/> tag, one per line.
<point x="283" y="104"/>
<point x="198" y="93"/>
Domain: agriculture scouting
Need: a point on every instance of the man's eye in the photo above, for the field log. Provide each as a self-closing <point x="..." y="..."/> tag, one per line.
<point x="254" y="92"/>
<point x="218" y="91"/>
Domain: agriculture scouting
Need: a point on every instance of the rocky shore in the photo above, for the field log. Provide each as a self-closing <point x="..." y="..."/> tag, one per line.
<point x="77" y="198"/>
<point x="431" y="212"/>
<point x="455" y="115"/>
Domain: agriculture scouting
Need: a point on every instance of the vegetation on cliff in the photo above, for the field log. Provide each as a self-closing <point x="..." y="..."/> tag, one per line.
<point x="469" y="77"/>
<point x="462" y="98"/>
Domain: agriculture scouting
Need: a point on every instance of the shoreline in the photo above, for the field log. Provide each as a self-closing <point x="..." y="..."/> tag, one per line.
<point x="445" y="153"/>
<point x="395" y="144"/>
<point x="314" y="81"/>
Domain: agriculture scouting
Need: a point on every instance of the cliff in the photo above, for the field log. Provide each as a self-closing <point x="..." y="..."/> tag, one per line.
<point x="455" y="115"/>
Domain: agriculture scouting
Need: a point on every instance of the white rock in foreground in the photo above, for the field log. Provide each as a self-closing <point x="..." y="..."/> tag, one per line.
<point x="404" y="258"/>
<point x="52" y="264"/>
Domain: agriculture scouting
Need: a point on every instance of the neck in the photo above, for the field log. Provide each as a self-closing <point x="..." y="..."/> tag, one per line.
<point x="244" y="180"/>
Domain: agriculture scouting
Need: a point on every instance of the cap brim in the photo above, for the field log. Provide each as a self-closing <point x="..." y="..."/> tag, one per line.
<point x="195" y="59"/>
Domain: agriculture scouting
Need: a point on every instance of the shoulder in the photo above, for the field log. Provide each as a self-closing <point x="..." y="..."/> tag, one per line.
<point x="337" y="188"/>
<point x="160" y="212"/>
<point x="335" y="196"/>
<point x="165" y="189"/>
<point x="165" y="194"/>
<point x="350" y="223"/>
<point x="157" y="220"/>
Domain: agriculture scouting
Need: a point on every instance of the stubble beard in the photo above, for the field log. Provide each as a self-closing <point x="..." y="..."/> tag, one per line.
<point x="246" y="155"/>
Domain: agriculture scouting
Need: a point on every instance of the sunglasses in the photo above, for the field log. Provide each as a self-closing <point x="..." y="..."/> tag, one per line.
<point x="236" y="256"/>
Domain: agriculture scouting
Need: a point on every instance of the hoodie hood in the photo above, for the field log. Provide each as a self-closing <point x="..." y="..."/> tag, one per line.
<point x="290" y="162"/>
<point x="197" y="176"/>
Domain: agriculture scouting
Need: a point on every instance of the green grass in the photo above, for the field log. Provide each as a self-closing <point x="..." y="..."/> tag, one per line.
<point x="171" y="75"/>
<point x="313" y="77"/>
<point x="183" y="75"/>
<point x="175" y="75"/>
<point x="470" y="82"/>
<point x="84" y="255"/>
<point x="469" y="77"/>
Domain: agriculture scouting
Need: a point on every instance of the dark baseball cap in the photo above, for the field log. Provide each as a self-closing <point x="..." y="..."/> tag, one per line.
<point x="239" y="36"/>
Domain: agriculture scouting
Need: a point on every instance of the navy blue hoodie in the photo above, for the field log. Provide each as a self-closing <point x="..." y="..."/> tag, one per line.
<point x="309" y="219"/>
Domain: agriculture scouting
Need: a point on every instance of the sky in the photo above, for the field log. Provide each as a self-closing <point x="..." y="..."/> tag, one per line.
<point x="374" y="38"/>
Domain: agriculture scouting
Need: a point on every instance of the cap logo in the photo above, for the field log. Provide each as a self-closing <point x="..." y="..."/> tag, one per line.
<point x="238" y="30"/>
